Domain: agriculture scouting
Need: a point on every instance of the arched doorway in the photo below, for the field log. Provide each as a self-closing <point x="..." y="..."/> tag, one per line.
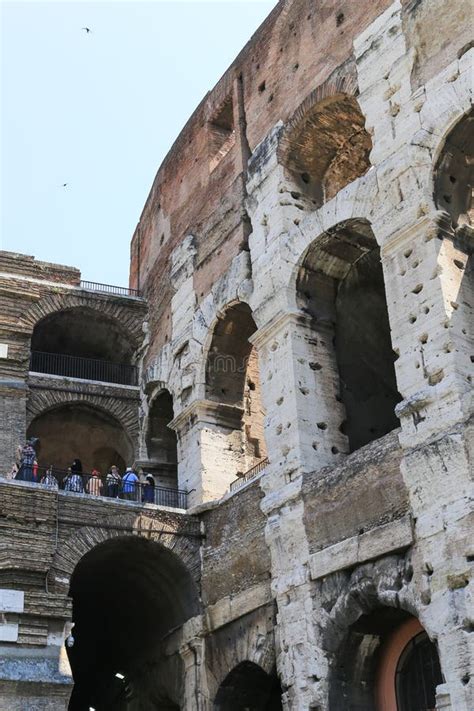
<point x="454" y="174"/>
<point x="77" y="430"/>
<point x="386" y="662"/>
<point x="161" y="442"/>
<point x="83" y="343"/>
<point x="128" y="595"/>
<point x="340" y="287"/>
<point x="249" y="688"/>
<point x="233" y="381"/>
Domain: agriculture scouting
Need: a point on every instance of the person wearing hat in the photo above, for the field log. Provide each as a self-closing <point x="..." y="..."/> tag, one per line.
<point x="149" y="490"/>
<point x="130" y="485"/>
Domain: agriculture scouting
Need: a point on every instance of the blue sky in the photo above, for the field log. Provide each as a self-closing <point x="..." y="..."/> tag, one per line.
<point x="99" y="112"/>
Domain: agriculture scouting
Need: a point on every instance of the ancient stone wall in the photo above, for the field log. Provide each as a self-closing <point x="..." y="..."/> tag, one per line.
<point x="315" y="210"/>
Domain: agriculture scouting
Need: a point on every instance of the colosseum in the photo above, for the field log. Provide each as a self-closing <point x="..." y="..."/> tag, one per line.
<point x="291" y="367"/>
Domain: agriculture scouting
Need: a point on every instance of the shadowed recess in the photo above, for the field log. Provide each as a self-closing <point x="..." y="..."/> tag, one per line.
<point x="128" y="595"/>
<point x="85" y="333"/>
<point x="341" y="287"/>
<point x="248" y="688"/>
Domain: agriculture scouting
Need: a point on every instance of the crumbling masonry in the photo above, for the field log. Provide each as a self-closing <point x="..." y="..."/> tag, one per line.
<point x="300" y="319"/>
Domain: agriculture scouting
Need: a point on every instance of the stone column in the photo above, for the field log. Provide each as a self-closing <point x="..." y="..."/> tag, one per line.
<point x="195" y="685"/>
<point x="209" y="449"/>
<point x="429" y="298"/>
<point x="300" y="391"/>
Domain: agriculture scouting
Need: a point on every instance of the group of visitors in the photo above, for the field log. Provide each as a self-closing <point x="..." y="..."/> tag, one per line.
<point x="114" y="485"/>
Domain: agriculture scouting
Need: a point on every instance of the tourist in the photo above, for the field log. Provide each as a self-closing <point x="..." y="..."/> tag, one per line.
<point x="27" y="460"/>
<point x="94" y="485"/>
<point x="73" y="482"/>
<point x="130" y="484"/>
<point x="35" y="470"/>
<point x="49" y="479"/>
<point x="76" y="466"/>
<point x="149" y="490"/>
<point x="113" y="480"/>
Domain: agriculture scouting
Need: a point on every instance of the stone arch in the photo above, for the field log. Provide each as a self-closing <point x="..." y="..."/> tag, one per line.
<point x="129" y="317"/>
<point x="70" y="426"/>
<point x="129" y="594"/>
<point x="453" y="175"/>
<point x="247" y="687"/>
<point x="340" y="290"/>
<point x="232" y="380"/>
<point x="404" y="679"/>
<point x="350" y="637"/>
<point x="76" y="545"/>
<point x="324" y="146"/>
<point x="160" y="439"/>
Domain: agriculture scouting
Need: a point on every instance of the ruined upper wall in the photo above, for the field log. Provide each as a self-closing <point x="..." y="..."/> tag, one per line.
<point x="199" y="188"/>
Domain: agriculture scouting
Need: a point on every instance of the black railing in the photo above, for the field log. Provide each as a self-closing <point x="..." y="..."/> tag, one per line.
<point x="109" y="289"/>
<point x="250" y="474"/>
<point x="83" y="368"/>
<point x="104" y="487"/>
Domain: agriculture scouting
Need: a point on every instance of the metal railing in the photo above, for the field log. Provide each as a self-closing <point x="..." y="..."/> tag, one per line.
<point x="250" y="474"/>
<point x="109" y="289"/>
<point x="103" y="486"/>
<point x="83" y="368"/>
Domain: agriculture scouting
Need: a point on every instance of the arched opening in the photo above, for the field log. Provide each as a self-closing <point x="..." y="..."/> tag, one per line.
<point x="326" y="147"/>
<point x="83" y="343"/>
<point x="249" y="688"/>
<point x="128" y="594"/>
<point x="79" y="431"/>
<point x="454" y="174"/>
<point x="233" y="381"/>
<point x="161" y="442"/>
<point x="386" y="662"/>
<point x="340" y="287"/>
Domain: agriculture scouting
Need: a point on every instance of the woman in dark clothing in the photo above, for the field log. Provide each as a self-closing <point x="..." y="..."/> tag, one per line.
<point x="149" y="490"/>
<point x="76" y="466"/>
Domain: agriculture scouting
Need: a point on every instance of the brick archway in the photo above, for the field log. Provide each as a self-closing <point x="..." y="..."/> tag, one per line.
<point x="129" y="315"/>
<point x="169" y="534"/>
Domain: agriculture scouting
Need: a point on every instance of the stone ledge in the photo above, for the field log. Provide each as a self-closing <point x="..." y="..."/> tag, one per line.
<point x="358" y="549"/>
<point x="232" y="607"/>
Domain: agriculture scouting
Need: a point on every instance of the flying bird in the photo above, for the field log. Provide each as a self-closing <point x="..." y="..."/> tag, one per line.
<point x="86" y="29"/>
<point x="64" y="185"/>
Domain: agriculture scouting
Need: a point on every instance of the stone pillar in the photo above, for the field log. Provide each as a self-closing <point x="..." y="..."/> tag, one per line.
<point x="429" y="298"/>
<point x="195" y="687"/>
<point x="209" y="449"/>
<point x="300" y="392"/>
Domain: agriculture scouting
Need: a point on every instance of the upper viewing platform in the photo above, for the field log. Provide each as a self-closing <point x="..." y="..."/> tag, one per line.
<point x="31" y="271"/>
